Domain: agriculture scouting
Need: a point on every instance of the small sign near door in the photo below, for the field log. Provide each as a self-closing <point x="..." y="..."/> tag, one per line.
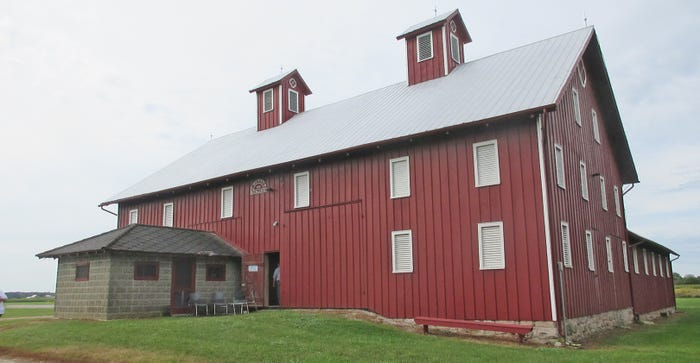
<point x="252" y="268"/>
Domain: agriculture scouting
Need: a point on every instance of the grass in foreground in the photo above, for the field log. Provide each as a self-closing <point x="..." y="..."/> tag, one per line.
<point x="23" y="313"/>
<point x="305" y="336"/>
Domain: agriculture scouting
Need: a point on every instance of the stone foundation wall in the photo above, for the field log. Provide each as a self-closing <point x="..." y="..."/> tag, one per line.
<point x="581" y="327"/>
<point x="82" y="299"/>
<point x="130" y="298"/>
<point x="658" y="314"/>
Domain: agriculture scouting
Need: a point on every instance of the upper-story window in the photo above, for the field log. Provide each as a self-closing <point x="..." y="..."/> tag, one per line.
<point x="608" y="251"/>
<point x="635" y="260"/>
<point x="454" y="47"/>
<point x="268" y="101"/>
<point x="646" y="264"/>
<point x="577" y="106"/>
<point x="399" y="177"/>
<point x="168" y="213"/>
<point x="491" y="246"/>
<point x="402" y="251"/>
<point x="424" y="47"/>
<point x="301" y="190"/>
<point x="625" y="261"/>
<point x="133" y="216"/>
<point x="594" y="122"/>
<point x="227" y="202"/>
<point x="581" y="70"/>
<point x="584" y="180"/>
<point x="603" y="195"/>
<point x="559" y="165"/>
<point x="293" y="101"/>
<point x="616" y="195"/>
<point x="653" y="263"/>
<point x="589" y="250"/>
<point x="486" y="168"/>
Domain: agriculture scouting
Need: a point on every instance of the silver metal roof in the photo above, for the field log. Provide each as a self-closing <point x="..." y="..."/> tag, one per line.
<point x="272" y="80"/>
<point x="431" y="21"/>
<point x="521" y="79"/>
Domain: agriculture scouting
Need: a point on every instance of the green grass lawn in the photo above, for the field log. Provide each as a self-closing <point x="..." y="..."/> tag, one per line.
<point x="10" y="312"/>
<point x="285" y="335"/>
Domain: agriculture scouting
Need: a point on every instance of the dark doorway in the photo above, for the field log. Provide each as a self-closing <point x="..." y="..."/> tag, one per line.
<point x="183" y="279"/>
<point x="272" y="260"/>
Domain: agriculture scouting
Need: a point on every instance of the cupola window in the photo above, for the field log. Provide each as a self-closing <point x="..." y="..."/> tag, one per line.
<point x="268" y="103"/>
<point x="425" y="46"/>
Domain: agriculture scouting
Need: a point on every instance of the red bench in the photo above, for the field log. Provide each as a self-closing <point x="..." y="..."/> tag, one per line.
<point x="519" y="329"/>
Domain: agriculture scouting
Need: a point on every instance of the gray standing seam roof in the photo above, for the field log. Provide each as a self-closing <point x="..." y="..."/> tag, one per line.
<point x="525" y="78"/>
<point x="150" y="239"/>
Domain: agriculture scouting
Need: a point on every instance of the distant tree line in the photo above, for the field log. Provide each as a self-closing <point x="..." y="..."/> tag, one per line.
<point x="31" y="294"/>
<point x="686" y="280"/>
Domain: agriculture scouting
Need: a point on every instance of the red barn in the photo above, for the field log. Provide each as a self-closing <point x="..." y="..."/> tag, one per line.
<point x="487" y="190"/>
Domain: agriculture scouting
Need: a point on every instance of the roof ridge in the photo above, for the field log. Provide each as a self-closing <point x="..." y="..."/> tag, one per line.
<point x="126" y="231"/>
<point x="77" y="242"/>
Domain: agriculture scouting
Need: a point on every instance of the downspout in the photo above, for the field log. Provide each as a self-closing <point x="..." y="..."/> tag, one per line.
<point x="108" y="211"/>
<point x="626" y="191"/>
<point x="563" y="300"/>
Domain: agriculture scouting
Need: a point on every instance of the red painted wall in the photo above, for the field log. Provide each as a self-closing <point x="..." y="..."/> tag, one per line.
<point x="651" y="293"/>
<point x="337" y="252"/>
<point x="427" y="69"/>
<point x="270" y="119"/>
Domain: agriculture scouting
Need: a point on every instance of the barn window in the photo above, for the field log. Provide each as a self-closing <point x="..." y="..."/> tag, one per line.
<point x="577" y="106"/>
<point x="268" y="101"/>
<point x="402" y="251"/>
<point x="294" y="101"/>
<point x="581" y="70"/>
<point x="168" y="214"/>
<point x="594" y="122"/>
<point x="216" y="272"/>
<point x="566" y="244"/>
<point x="635" y="260"/>
<point x="486" y="163"/>
<point x="559" y="165"/>
<point x="146" y="270"/>
<point x="301" y="190"/>
<point x="589" y="250"/>
<point x="616" y="195"/>
<point x="646" y="264"/>
<point x="584" y="180"/>
<point x="227" y="202"/>
<point x="608" y="251"/>
<point x="661" y="267"/>
<point x="653" y="263"/>
<point x="668" y="268"/>
<point x="454" y="47"/>
<point x="424" y="46"/>
<point x="82" y="271"/>
<point x="603" y="196"/>
<point x="625" y="261"/>
<point x="491" y="250"/>
<point x="133" y="216"/>
<point x="399" y="177"/>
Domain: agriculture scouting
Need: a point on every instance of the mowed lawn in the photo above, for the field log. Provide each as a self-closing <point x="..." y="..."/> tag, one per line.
<point x="285" y="335"/>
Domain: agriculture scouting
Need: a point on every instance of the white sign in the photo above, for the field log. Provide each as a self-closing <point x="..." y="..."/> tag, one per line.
<point x="252" y="268"/>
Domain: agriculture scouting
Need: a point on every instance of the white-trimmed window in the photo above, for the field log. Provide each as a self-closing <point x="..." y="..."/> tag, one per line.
<point x="424" y="46"/>
<point x="635" y="260"/>
<point x="268" y="100"/>
<point x="584" y="180"/>
<point x="668" y="268"/>
<point x="608" y="251"/>
<point x="646" y="264"/>
<point x="559" y="165"/>
<point x="454" y="47"/>
<point x="227" y="202"/>
<point x="491" y="250"/>
<point x="486" y="166"/>
<point x="616" y="195"/>
<point x="581" y="70"/>
<point x="577" y="106"/>
<point x="133" y="216"/>
<point x="589" y="250"/>
<point x="594" y="122"/>
<point x="399" y="177"/>
<point x="566" y="244"/>
<point x="603" y="196"/>
<point x="293" y="101"/>
<point x="402" y="251"/>
<point x="625" y="261"/>
<point x="661" y="266"/>
<point x="301" y="190"/>
<point x="168" y="213"/>
<point x="653" y="263"/>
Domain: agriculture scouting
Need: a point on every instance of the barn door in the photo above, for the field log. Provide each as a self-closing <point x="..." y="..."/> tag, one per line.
<point x="183" y="278"/>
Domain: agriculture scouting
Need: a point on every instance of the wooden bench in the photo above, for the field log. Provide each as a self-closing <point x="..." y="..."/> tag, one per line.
<point x="519" y="329"/>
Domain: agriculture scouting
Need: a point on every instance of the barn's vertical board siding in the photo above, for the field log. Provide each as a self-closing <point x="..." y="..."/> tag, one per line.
<point x="337" y="252"/>
<point x="587" y="292"/>
<point x="651" y="293"/>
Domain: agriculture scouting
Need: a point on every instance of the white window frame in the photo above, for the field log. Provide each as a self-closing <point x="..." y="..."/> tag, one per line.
<point x="584" y="180"/>
<point x="616" y="195"/>
<point x="418" y="58"/>
<point x="653" y="263"/>
<point x="566" y="244"/>
<point x="133" y="216"/>
<point x="454" y="46"/>
<point x="271" y="92"/>
<point x="501" y="264"/>
<point x="596" y="130"/>
<point x="226" y="213"/>
<point x="559" y="166"/>
<point x="401" y="269"/>
<point x="166" y="222"/>
<point x="589" y="250"/>
<point x="646" y="264"/>
<point x="297" y="202"/>
<point x="577" y="106"/>
<point x="635" y="260"/>
<point x="392" y="181"/>
<point x="625" y="260"/>
<point x="603" y="194"/>
<point x="661" y="267"/>
<point x="583" y="78"/>
<point x="289" y="101"/>
<point x="668" y="267"/>
<point x="608" y="251"/>
<point x="478" y="168"/>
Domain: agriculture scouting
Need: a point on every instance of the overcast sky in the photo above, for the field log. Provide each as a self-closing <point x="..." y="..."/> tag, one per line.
<point x="94" y="96"/>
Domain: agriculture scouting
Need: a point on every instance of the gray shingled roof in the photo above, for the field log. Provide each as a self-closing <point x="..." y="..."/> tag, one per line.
<point x="638" y="240"/>
<point x="150" y="239"/>
<point x="523" y="79"/>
